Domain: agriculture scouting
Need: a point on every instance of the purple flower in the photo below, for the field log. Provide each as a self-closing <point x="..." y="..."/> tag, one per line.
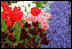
<point x="59" y="28"/>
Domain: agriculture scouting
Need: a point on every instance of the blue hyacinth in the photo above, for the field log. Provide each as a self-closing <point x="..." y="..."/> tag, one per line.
<point x="58" y="31"/>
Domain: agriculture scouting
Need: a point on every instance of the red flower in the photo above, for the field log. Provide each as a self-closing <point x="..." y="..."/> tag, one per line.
<point x="6" y="10"/>
<point x="3" y="16"/>
<point x="35" y="11"/>
<point x="17" y="13"/>
<point x="4" y="5"/>
<point x="10" y="33"/>
<point x="21" y="24"/>
<point x="9" y="22"/>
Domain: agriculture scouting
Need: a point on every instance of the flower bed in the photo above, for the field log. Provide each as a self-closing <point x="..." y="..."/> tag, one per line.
<point x="35" y="24"/>
<point x="23" y="26"/>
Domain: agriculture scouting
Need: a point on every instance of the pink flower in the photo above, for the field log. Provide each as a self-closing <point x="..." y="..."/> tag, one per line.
<point x="42" y="13"/>
<point x="44" y="25"/>
<point x="31" y="17"/>
<point x="36" y="19"/>
<point x="39" y="19"/>
<point x="29" y="22"/>
<point x="48" y="15"/>
<point x="28" y="17"/>
<point x="25" y="17"/>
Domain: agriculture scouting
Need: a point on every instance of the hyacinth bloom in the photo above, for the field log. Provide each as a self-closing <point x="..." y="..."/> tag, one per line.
<point x="58" y="31"/>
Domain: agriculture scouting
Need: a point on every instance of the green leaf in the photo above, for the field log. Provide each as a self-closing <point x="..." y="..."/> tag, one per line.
<point x="14" y="25"/>
<point x="39" y="26"/>
<point x="6" y="30"/>
<point x="14" y="32"/>
<point x="21" y="41"/>
<point x="43" y="32"/>
<point x="41" y="2"/>
<point x="36" y="38"/>
<point x="26" y="28"/>
<point x="45" y="2"/>
<point x="31" y="35"/>
<point x="15" y="43"/>
<point x="7" y="40"/>
<point x="32" y="27"/>
<point x="17" y="33"/>
<point x="20" y="27"/>
<point x="2" y="29"/>
<point x="22" y="21"/>
<point x="26" y="40"/>
<point x="39" y="43"/>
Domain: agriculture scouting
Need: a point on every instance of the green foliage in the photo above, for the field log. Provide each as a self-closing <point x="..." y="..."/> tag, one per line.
<point x="26" y="40"/>
<point x="26" y="28"/>
<point x="36" y="38"/>
<point x="16" y="32"/>
<point x="15" y="43"/>
<point x="39" y="3"/>
<point x="3" y="26"/>
<point x="22" y="21"/>
<point x="9" y="2"/>
<point x="39" y="26"/>
<point x="39" y="43"/>
<point x="31" y="35"/>
<point x="32" y="27"/>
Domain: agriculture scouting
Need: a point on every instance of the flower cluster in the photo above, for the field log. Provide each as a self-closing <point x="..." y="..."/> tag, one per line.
<point x="10" y="15"/>
<point x="58" y="32"/>
<point x="25" y="6"/>
<point x="24" y="30"/>
<point x="38" y="15"/>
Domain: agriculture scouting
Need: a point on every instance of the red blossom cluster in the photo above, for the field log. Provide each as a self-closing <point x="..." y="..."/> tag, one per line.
<point x="10" y="15"/>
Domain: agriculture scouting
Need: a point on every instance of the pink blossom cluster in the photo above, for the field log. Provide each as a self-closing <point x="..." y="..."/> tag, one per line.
<point x="42" y="18"/>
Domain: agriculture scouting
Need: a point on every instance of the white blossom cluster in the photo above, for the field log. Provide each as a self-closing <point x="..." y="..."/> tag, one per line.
<point x="25" y="6"/>
<point x="47" y="7"/>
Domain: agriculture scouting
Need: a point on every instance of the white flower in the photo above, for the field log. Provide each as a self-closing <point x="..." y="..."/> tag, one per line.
<point x="22" y="9"/>
<point x="30" y="2"/>
<point x="25" y="13"/>
<point x="20" y="3"/>
<point x="26" y="4"/>
<point x="32" y="5"/>
<point x="13" y="5"/>
<point x="28" y="9"/>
